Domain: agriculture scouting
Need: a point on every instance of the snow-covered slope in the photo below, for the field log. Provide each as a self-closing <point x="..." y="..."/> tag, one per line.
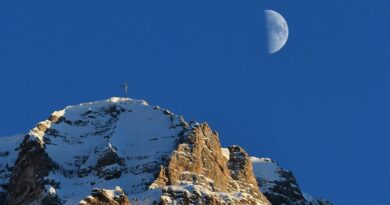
<point x="152" y="154"/>
<point x="117" y="142"/>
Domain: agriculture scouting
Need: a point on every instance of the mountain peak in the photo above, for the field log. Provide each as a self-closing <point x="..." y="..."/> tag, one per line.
<point x="153" y="155"/>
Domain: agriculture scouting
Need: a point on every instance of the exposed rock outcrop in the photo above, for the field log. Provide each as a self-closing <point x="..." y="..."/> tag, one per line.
<point x="106" y="197"/>
<point x="109" y="165"/>
<point x="241" y="170"/>
<point x="285" y="191"/>
<point x="27" y="182"/>
<point x="182" y="196"/>
<point x="198" y="162"/>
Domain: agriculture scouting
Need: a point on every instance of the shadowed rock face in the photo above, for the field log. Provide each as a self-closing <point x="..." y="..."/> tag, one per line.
<point x="279" y="185"/>
<point x="3" y="196"/>
<point x="109" y="157"/>
<point x="286" y="191"/>
<point x="27" y="182"/>
<point x="50" y="199"/>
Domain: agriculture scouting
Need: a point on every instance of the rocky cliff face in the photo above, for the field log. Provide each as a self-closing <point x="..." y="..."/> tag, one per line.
<point x="198" y="173"/>
<point x="123" y="151"/>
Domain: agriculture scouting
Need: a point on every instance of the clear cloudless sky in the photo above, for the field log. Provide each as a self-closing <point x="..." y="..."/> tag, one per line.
<point x="320" y="106"/>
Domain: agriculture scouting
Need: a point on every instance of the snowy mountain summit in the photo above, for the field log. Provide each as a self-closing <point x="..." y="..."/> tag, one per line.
<point x="122" y="151"/>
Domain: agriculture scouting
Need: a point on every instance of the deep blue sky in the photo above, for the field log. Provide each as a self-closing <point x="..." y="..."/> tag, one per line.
<point x="320" y="106"/>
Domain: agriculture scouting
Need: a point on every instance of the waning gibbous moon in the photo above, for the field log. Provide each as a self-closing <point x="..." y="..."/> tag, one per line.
<point x="277" y="31"/>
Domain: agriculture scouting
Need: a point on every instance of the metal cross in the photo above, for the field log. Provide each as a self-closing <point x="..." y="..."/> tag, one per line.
<point x="126" y="87"/>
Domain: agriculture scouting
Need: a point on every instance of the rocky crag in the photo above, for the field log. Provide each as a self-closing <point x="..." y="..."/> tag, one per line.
<point x="122" y="151"/>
